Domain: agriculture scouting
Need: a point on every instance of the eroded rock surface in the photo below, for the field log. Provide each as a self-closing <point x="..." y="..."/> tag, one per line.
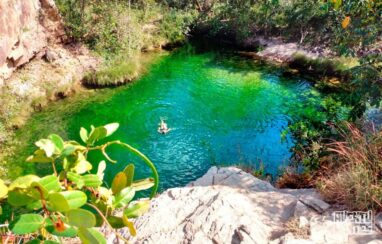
<point x="228" y="205"/>
<point x="26" y="28"/>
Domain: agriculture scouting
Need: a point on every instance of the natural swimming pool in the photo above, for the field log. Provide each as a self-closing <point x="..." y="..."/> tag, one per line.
<point x="223" y="110"/>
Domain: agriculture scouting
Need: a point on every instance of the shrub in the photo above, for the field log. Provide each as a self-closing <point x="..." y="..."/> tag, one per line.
<point x="72" y="201"/>
<point x="354" y="174"/>
<point x="318" y="66"/>
<point x="174" y="26"/>
<point x="295" y="180"/>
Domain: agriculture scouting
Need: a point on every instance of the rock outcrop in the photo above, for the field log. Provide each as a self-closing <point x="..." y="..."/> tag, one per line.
<point x="26" y="29"/>
<point x="228" y="205"/>
<point x="275" y="50"/>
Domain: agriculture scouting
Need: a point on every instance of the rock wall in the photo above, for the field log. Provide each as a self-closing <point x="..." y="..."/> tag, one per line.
<point x="26" y="29"/>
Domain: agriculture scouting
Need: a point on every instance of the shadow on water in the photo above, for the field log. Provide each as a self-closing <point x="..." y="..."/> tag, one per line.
<point x="222" y="109"/>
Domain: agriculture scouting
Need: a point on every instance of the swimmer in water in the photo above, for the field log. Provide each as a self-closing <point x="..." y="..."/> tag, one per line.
<point x="163" y="129"/>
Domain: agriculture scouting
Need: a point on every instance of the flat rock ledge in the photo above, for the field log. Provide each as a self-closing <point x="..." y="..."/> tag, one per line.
<point x="228" y="205"/>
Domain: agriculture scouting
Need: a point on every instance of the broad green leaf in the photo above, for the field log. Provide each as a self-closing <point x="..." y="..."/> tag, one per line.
<point x="101" y="169"/>
<point x="44" y="186"/>
<point x="96" y="134"/>
<point x="23" y="182"/>
<point x="36" y="205"/>
<point x="137" y="209"/>
<point x="68" y="150"/>
<point x="90" y="236"/>
<point x="129" y="171"/>
<point x="75" y="199"/>
<point x="68" y="232"/>
<point x="123" y="198"/>
<point x="50" y="242"/>
<point x="58" y="142"/>
<point x="82" y="165"/>
<point x="19" y="198"/>
<point x="46" y="145"/>
<point x="91" y="180"/>
<point x="26" y="223"/>
<point x="81" y="218"/>
<point x="57" y="202"/>
<point x="76" y="178"/>
<point x="36" y="190"/>
<point x="66" y="200"/>
<point x="145" y="184"/>
<point x="50" y="183"/>
<point x="119" y="182"/>
<point x="84" y="135"/>
<point x="3" y="189"/>
<point x="116" y="222"/>
<point x="111" y="128"/>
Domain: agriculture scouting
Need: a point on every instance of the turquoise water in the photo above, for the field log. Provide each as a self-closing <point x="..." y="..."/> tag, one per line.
<point x="222" y="109"/>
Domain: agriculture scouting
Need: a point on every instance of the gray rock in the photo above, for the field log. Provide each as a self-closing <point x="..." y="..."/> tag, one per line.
<point x="228" y="205"/>
<point x="51" y="56"/>
<point x="301" y="210"/>
<point x="233" y="177"/>
<point x="315" y="203"/>
<point x="378" y="221"/>
<point x="219" y="214"/>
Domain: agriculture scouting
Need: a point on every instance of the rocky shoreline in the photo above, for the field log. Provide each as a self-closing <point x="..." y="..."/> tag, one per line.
<point x="228" y="205"/>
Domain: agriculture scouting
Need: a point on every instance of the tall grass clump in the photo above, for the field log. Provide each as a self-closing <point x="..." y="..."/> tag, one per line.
<point x="114" y="74"/>
<point x="355" y="170"/>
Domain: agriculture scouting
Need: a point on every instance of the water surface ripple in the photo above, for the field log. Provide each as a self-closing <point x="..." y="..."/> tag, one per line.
<point x="222" y="110"/>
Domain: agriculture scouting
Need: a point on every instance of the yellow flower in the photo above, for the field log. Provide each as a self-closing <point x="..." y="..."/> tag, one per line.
<point x="345" y="22"/>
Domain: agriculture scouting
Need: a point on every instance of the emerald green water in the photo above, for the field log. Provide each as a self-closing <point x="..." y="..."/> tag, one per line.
<point x="222" y="109"/>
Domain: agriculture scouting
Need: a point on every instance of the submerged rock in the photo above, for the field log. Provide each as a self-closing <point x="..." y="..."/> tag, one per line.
<point x="228" y="205"/>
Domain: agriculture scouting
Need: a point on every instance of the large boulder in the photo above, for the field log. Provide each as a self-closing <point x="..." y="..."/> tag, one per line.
<point x="26" y="29"/>
<point x="228" y="205"/>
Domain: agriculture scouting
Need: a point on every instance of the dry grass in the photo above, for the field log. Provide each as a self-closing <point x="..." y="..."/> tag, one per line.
<point x="354" y="175"/>
<point x="293" y="226"/>
<point x="295" y="181"/>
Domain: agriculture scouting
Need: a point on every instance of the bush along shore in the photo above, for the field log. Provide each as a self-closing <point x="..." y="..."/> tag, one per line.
<point x="323" y="39"/>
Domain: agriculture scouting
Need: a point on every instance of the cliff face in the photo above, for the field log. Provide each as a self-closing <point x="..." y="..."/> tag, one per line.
<point x="26" y="29"/>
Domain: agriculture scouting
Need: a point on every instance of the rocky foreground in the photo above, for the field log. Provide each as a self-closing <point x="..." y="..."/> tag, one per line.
<point x="228" y="205"/>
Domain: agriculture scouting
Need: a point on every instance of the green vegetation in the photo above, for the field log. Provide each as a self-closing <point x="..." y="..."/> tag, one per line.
<point x="117" y="74"/>
<point x="336" y="23"/>
<point x="73" y="200"/>
<point x="119" y="30"/>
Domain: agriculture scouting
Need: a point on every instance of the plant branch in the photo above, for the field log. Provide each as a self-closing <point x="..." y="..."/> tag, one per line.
<point x="136" y="152"/>
<point x="107" y="222"/>
<point x="54" y="168"/>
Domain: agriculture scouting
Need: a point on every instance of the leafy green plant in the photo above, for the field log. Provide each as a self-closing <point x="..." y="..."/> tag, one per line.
<point x="73" y="201"/>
